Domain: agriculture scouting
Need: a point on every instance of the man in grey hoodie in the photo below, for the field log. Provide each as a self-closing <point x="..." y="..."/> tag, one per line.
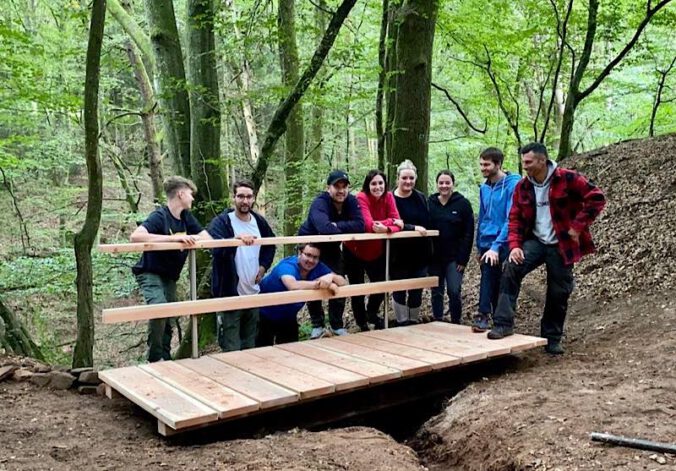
<point x="495" y="201"/>
<point x="549" y="223"/>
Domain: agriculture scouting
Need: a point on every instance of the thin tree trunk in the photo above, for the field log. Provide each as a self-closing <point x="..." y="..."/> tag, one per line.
<point x="170" y="82"/>
<point x="205" y="112"/>
<point x="382" y="49"/>
<point x="389" y="91"/>
<point x="148" y="119"/>
<point x="658" y="95"/>
<point x="295" y="136"/>
<point x="317" y="114"/>
<point x="411" y="125"/>
<point x="84" y="240"/>
<point x="243" y="78"/>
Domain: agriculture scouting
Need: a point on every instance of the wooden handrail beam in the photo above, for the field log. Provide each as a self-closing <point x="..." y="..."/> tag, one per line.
<point x="205" y="306"/>
<point x="211" y="244"/>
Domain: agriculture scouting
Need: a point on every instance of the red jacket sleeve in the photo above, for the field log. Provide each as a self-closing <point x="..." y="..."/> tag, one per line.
<point x="392" y="212"/>
<point x="517" y="221"/>
<point x="365" y="211"/>
<point x="593" y="202"/>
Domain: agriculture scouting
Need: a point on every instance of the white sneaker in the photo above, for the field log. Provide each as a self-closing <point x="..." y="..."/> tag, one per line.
<point x="339" y="332"/>
<point x="317" y="332"/>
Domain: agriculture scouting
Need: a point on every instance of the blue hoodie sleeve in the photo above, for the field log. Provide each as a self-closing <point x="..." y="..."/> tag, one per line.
<point x="481" y="218"/>
<point x="218" y="230"/>
<point x="501" y="240"/>
<point x="267" y="252"/>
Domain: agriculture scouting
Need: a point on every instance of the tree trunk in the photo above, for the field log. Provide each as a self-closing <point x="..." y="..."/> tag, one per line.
<point x="14" y="338"/>
<point x="171" y="83"/>
<point x="295" y="137"/>
<point x="382" y="74"/>
<point x="205" y="111"/>
<point x="84" y="240"/>
<point x="316" y="145"/>
<point x="411" y="125"/>
<point x="148" y="119"/>
<point x="390" y="88"/>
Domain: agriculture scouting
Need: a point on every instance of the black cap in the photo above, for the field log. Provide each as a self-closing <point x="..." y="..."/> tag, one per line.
<point x="337" y="175"/>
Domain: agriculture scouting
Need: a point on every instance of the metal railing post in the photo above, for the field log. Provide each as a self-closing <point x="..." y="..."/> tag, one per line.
<point x="386" y="316"/>
<point x="192" y="257"/>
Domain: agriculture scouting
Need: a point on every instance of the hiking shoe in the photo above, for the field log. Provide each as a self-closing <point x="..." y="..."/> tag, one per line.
<point x="317" y="333"/>
<point x="364" y="328"/>
<point x="480" y="323"/>
<point x="554" y="348"/>
<point x="339" y="332"/>
<point x="499" y="332"/>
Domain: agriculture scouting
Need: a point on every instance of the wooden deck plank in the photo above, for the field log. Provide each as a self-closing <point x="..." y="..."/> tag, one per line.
<point x="226" y="401"/>
<point x="167" y="403"/>
<point x="304" y="384"/>
<point x="376" y="372"/>
<point x="420" y="339"/>
<point x="516" y="342"/>
<point x="343" y="379"/>
<point x="407" y="366"/>
<point x="266" y="393"/>
<point x="437" y="360"/>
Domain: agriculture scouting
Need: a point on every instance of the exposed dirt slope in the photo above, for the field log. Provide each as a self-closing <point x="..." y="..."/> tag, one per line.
<point x="618" y="375"/>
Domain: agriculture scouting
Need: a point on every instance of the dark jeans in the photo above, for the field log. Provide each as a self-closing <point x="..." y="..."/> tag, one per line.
<point x="276" y="331"/>
<point x="414" y="295"/>
<point x="560" y="285"/>
<point x="375" y="270"/>
<point x="158" y="290"/>
<point x="333" y="258"/>
<point x="237" y="329"/>
<point x="489" y="286"/>
<point x="451" y="279"/>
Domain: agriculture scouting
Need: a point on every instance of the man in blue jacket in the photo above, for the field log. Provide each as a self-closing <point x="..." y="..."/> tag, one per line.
<point x="239" y="270"/>
<point x="334" y="211"/>
<point x="495" y="201"/>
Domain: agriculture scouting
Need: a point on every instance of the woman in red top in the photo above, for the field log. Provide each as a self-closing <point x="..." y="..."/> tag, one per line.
<point x="380" y="216"/>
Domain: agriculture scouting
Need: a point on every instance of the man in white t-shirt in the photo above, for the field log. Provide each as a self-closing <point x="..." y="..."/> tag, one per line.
<point x="237" y="271"/>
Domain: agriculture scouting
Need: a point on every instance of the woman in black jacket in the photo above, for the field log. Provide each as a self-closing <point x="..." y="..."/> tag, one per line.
<point x="451" y="214"/>
<point x="410" y="256"/>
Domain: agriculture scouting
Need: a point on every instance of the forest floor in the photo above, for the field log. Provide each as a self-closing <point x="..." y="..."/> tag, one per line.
<point x="533" y="412"/>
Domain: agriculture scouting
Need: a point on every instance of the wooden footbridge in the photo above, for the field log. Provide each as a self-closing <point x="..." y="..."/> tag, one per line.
<point x="212" y="389"/>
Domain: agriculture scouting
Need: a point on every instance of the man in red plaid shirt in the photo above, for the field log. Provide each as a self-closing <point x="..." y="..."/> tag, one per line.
<point x="552" y="210"/>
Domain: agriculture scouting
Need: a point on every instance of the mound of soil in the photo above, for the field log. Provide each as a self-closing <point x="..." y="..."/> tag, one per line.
<point x="618" y="375"/>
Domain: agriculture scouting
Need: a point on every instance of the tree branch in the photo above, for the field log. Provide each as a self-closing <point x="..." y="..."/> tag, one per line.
<point x="460" y="110"/>
<point x="650" y="12"/>
<point x="277" y="126"/>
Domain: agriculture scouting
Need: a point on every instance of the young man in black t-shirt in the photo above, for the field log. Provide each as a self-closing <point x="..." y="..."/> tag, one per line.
<point x="158" y="271"/>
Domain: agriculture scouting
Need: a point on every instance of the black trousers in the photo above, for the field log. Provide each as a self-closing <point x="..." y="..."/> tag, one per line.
<point x="375" y="270"/>
<point x="331" y="256"/>
<point x="276" y="331"/>
<point x="560" y="284"/>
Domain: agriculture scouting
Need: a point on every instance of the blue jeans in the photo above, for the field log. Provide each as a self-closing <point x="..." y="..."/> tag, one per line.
<point x="414" y="295"/>
<point x="489" y="287"/>
<point x="238" y="329"/>
<point x="450" y="277"/>
<point x="560" y="285"/>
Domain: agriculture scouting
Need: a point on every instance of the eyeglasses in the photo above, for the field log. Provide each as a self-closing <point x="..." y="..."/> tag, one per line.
<point x="310" y="256"/>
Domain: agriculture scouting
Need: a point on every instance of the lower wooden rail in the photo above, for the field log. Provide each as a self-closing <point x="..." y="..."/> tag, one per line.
<point x="205" y="306"/>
